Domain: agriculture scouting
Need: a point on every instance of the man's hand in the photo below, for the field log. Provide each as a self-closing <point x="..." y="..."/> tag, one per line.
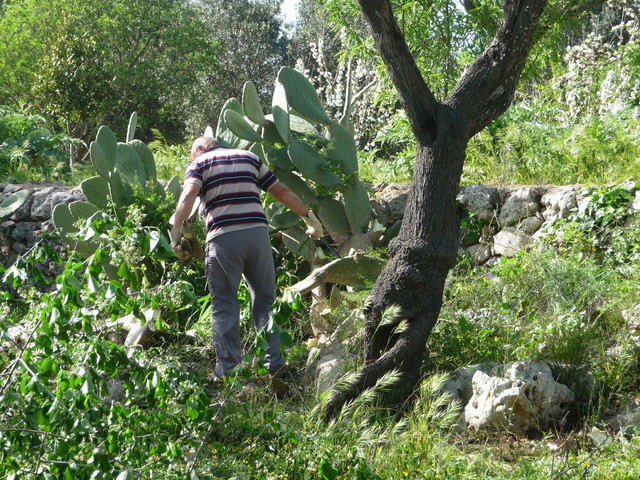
<point x="314" y="227"/>
<point x="181" y="248"/>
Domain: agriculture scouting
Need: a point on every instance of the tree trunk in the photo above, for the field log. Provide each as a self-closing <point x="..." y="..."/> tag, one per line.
<point x="426" y="247"/>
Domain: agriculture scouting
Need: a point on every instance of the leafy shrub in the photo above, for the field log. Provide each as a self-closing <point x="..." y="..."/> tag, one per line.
<point x="28" y="149"/>
<point x="604" y="231"/>
<point x="559" y="307"/>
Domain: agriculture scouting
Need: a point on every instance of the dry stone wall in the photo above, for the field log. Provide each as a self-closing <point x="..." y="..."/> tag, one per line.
<point x="20" y="231"/>
<point x="509" y="219"/>
<point x="512" y="216"/>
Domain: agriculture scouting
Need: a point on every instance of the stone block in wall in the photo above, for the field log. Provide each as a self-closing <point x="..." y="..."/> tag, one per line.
<point x="559" y="202"/>
<point x="479" y="199"/>
<point x="24" y="236"/>
<point x="635" y="205"/>
<point x="24" y="211"/>
<point x="530" y="225"/>
<point x="479" y="253"/>
<point x="509" y="242"/>
<point x="520" y="204"/>
<point x="6" y="243"/>
<point x="44" y="203"/>
<point x="389" y="202"/>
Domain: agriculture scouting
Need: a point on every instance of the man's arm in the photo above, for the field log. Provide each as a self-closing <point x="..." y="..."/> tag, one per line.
<point x="189" y="194"/>
<point x="185" y="204"/>
<point x="284" y="195"/>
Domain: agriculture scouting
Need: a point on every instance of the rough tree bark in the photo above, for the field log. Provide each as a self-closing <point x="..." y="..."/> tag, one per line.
<point x="425" y="249"/>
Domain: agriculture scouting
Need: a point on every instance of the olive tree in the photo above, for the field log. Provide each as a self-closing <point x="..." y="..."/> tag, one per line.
<point x="426" y="247"/>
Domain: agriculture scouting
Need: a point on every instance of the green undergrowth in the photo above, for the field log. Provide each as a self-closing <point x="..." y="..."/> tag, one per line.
<point x="76" y="405"/>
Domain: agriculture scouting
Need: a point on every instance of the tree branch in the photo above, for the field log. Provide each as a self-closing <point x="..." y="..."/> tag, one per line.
<point x="494" y="75"/>
<point x="416" y="98"/>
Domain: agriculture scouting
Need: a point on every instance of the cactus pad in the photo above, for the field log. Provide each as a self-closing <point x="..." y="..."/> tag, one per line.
<point x="302" y="96"/>
<point x="109" y="145"/>
<point x="130" y="165"/>
<point x="223" y="133"/>
<point x="174" y="188"/>
<point x="63" y="219"/>
<point x="279" y="158"/>
<point x="357" y="206"/>
<point x="297" y="186"/>
<point x="96" y="189"/>
<point x="240" y="127"/>
<point x="334" y="219"/>
<point x="342" y="148"/>
<point x="146" y="155"/>
<point x="312" y="165"/>
<point x="298" y="243"/>
<point x="133" y="124"/>
<point x="82" y="209"/>
<point x="251" y="104"/>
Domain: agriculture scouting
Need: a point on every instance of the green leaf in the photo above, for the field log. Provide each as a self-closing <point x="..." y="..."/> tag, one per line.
<point x="302" y="96"/>
<point x="327" y="471"/>
<point x="45" y="365"/>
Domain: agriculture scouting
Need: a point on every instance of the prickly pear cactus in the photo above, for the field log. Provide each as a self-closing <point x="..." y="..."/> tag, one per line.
<point x="314" y="155"/>
<point x="122" y="168"/>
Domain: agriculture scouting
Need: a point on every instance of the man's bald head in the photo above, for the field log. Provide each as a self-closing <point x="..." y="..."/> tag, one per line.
<point x="202" y="144"/>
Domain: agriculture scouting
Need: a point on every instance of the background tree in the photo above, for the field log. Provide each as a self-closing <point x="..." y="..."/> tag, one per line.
<point x="84" y="63"/>
<point x="425" y="249"/>
<point x="252" y="48"/>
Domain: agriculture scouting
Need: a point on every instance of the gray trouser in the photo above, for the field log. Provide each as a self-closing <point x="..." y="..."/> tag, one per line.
<point x="229" y="257"/>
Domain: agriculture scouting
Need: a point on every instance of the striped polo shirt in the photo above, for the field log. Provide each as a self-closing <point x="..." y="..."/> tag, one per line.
<point x="230" y="181"/>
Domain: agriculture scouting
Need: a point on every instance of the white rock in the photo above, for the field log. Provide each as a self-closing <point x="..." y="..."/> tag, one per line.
<point x="329" y="370"/>
<point x="479" y="199"/>
<point x="524" y="397"/>
<point x="509" y="242"/>
<point x="530" y="225"/>
<point x="635" y="205"/>
<point x="559" y="202"/>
